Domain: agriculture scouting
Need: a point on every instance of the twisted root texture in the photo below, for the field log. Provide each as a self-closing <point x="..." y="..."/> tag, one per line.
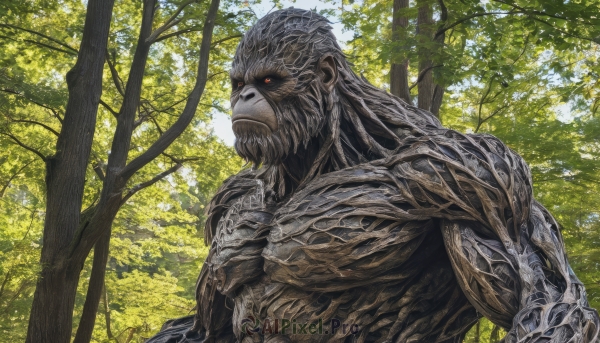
<point x="407" y="229"/>
<point x="363" y="243"/>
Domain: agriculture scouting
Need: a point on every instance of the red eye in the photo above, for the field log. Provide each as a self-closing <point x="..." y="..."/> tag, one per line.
<point x="268" y="80"/>
<point x="240" y="84"/>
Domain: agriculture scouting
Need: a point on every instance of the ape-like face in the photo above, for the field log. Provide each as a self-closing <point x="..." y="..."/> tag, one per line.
<point x="278" y="91"/>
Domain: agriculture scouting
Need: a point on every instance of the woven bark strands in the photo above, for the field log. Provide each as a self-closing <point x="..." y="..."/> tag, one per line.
<point x="374" y="214"/>
<point x="362" y="243"/>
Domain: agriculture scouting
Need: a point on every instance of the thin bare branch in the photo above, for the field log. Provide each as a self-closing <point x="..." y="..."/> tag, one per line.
<point x="52" y="110"/>
<point x="12" y="177"/>
<point x="219" y="41"/>
<point x="24" y="146"/>
<point x="482" y="101"/>
<point x="50" y="47"/>
<point x="109" y="109"/>
<point x="160" y="131"/>
<point x="496" y="111"/>
<point x="115" y="75"/>
<point x="177" y="33"/>
<point x="150" y="182"/>
<point x="172" y="21"/>
<point x="180" y="160"/>
<point x="27" y="121"/>
<point x="63" y="44"/>
<point x="165" y="140"/>
<point x="422" y="75"/>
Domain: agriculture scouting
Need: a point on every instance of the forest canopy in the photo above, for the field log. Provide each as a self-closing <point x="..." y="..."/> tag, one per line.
<point x="524" y="71"/>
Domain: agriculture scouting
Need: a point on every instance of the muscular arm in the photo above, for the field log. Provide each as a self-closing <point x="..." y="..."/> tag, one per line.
<point x="505" y="248"/>
<point x="362" y="226"/>
<point x="511" y="262"/>
<point x="526" y="293"/>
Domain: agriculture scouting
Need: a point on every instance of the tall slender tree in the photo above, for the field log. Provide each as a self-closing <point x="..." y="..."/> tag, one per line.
<point x="69" y="233"/>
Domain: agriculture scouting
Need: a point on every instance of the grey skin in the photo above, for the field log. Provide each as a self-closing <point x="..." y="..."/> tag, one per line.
<point x="252" y="109"/>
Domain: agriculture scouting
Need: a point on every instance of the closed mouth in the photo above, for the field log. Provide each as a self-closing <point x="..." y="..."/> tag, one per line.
<point x="245" y="120"/>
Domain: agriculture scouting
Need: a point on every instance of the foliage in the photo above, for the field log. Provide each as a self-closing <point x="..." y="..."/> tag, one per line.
<point x="157" y="246"/>
<point x="524" y="71"/>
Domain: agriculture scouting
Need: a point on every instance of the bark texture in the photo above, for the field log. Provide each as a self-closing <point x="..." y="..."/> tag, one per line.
<point x="425" y="26"/>
<point x="399" y="71"/>
<point x="52" y="310"/>
<point x="398" y="225"/>
<point x="70" y="235"/>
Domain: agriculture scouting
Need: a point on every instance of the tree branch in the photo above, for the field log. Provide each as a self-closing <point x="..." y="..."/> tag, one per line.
<point x="115" y="75"/>
<point x="107" y="320"/>
<point x="109" y="109"/>
<point x="98" y="170"/>
<point x="52" y="110"/>
<point x="112" y="185"/>
<point x="531" y="12"/>
<point x="15" y="27"/>
<point x="482" y="101"/>
<point x="496" y="111"/>
<point x="527" y="11"/>
<point x="50" y="47"/>
<point x="180" y="160"/>
<point x="150" y="182"/>
<point x="195" y="29"/>
<point x="27" y="121"/>
<point x="176" y="33"/>
<point x="94" y="291"/>
<point x="422" y="75"/>
<point x="172" y="21"/>
<point x="467" y="18"/>
<point x="24" y="146"/>
<point x="165" y="140"/>
<point x="219" y="41"/>
<point x="12" y="177"/>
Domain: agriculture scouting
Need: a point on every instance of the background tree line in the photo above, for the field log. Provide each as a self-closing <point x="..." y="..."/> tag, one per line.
<point x="108" y="157"/>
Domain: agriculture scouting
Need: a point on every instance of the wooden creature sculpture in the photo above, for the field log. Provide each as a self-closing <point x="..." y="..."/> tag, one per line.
<point x="364" y="209"/>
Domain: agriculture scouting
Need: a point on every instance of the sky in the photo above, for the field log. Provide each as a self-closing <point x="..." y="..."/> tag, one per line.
<point x="221" y="122"/>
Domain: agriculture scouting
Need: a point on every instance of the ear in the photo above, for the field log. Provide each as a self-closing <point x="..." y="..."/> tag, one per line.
<point x="328" y="72"/>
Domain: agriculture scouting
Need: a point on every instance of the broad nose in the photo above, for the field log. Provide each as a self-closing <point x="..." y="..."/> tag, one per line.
<point x="248" y="93"/>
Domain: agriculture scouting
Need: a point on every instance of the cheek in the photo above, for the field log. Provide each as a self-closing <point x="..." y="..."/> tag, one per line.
<point x="253" y="112"/>
<point x="233" y="98"/>
<point x="283" y="91"/>
<point x="302" y="116"/>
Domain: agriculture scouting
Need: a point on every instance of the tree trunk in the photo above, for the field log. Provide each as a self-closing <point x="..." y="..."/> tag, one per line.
<point x="52" y="310"/>
<point x="110" y="200"/>
<point x="436" y="102"/>
<point x="94" y="292"/>
<point x="68" y="234"/>
<point x="399" y="71"/>
<point x="438" y="90"/>
<point x="118" y="172"/>
<point x="495" y="334"/>
<point x="424" y="36"/>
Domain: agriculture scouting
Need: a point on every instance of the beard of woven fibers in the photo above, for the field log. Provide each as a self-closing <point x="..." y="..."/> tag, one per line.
<point x="257" y="144"/>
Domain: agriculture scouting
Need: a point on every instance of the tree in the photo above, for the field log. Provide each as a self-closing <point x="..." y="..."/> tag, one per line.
<point x="439" y="44"/>
<point x="69" y="233"/>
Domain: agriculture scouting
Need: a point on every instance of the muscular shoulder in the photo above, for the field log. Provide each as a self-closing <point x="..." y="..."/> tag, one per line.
<point x="231" y="191"/>
<point x="444" y="175"/>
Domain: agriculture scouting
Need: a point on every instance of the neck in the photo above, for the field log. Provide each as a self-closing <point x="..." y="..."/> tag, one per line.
<point x="284" y="178"/>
